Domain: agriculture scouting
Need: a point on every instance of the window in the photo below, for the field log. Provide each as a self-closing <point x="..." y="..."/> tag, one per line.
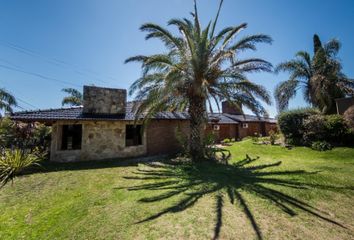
<point x="244" y="125"/>
<point x="133" y="135"/>
<point x="71" y="137"/>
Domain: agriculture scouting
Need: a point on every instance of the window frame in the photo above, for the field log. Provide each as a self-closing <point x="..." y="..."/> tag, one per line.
<point x="244" y="125"/>
<point x="137" y="140"/>
<point x="74" y="134"/>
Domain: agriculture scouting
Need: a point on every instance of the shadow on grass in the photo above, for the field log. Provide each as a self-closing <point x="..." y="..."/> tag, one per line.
<point x="226" y="183"/>
<point x="47" y="166"/>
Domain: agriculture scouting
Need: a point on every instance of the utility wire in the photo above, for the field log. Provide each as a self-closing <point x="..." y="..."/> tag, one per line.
<point x="39" y="75"/>
<point x="57" y="62"/>
<point x="21" y="100"/>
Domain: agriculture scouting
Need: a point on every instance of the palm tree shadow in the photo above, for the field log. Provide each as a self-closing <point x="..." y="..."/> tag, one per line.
<point x="225" y="182"/>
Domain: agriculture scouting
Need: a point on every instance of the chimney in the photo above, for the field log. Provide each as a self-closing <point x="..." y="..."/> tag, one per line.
<point x="231" y="109"/>
<point x="98" y="100"/>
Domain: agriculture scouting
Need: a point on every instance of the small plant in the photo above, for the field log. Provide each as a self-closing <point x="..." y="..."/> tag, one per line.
<point x="226" y="142"/>
<point x="273" y="137"/>
<point x="13" y="163"/>
<point x="321" y="146"/>
<point x="255" y="137"/>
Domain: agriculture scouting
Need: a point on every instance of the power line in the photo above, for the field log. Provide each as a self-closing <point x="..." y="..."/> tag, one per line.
<point x="57" y="62"/>
<point x="21" y="100"/>
<point x="39" y="75"/>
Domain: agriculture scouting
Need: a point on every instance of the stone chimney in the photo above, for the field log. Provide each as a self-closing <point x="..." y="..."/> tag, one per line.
<point x="98" y="100"/>
<point x="230" y="109"/>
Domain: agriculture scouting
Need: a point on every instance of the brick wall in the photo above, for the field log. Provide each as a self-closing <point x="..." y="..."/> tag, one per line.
<point x="161" y="136"/>
<point x="271" y="126"/>
<point x="225" y="131"/>
<point x="343" y="104"/>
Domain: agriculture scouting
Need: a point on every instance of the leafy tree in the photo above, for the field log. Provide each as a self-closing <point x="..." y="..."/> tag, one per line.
<point x="320" y="77"/>
<point x="199" y="67"/>
<point x="74" y="99"/>
<point x="7" y="101"/>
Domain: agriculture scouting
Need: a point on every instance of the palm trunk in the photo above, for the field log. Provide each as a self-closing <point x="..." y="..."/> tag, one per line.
<point x="197" y="115"/>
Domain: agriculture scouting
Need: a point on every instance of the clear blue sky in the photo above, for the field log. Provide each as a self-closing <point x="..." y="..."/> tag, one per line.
<point x="77" y="42"/>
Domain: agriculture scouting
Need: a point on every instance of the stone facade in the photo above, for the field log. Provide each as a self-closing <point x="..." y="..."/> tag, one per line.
<point x="100" y="140"/>
<point x="99" y="100"/>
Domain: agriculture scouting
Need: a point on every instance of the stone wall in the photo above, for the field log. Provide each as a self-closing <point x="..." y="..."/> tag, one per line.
<point x="100" y="140"/>
<point x="99" y="100"/>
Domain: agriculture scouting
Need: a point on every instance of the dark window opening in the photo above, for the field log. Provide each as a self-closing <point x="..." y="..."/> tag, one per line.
<point x="71" y="137"/>
<point x="133" y="135"/>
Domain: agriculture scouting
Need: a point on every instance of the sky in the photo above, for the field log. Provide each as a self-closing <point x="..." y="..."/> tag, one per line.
<point x="49" y="45"/>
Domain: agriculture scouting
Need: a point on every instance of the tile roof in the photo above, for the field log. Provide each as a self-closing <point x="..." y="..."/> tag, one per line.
<point x="75" y="113"/>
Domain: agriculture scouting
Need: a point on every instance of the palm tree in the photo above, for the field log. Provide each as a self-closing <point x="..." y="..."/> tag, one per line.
<point x="200" y="68"/>
<point x="7" y="101"/>
<point x="74" y="98"/>
<point x="319" y="77"/>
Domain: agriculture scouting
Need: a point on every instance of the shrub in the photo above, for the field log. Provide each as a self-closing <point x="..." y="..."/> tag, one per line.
<point x="314" y="129"/>
<point x="226" y="140"/>
<point x="336" y="128"/>
<point x="349" y="116"/>
<point x="273" y="136"/>
<point x="13" y="163"/>
<point x="255" y="137"/>
<point x="321" y="146"/>
<point x="291" y="124"/>
<point x="27" y="136"/>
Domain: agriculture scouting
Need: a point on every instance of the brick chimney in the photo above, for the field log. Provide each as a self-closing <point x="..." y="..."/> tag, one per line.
<point x="230" y="109"/>
<point x="98" y="100"/>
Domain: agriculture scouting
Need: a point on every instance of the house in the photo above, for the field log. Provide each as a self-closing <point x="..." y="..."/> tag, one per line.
<point x="343" y="104"/>
<point x="104" y="127"/>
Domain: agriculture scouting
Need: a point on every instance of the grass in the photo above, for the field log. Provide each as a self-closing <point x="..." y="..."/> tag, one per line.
<point x="266" y="192"/>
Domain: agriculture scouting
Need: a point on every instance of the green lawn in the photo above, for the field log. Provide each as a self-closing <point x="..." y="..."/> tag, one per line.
<point x="268" y="192"/>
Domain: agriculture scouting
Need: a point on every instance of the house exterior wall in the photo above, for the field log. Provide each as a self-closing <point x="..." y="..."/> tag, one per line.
<point x="106" y="139"/>
<point x="100" y="140"/>
<point x="253" y="127"/>
<point x="225" y="131"/>
<point x="343" y="104"/>
<point x="161" y="136"/>
<point x="271" y="126"/>
<point x="256" y="128"/>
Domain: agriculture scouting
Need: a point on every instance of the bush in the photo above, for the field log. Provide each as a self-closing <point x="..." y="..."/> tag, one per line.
<point x="321" y="146"/>
<point x="291" y="124"/>
<point x="27" y="136"/>
<point x="273" y="136"/>
<point x="13" y="163"/>
<point x="314" y="129"/>
<point x="336" y="128"/>
<point x="305" y="126"/>
<point x="226" y="141"/>
<point x="349" y="116"/>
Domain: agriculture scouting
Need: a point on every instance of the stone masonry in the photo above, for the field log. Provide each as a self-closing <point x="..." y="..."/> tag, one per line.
<point x="99" y="100"/>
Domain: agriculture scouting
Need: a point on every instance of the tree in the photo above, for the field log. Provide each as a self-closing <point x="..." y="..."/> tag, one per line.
<point x="200" y="67"/>
<point x="74" y="99"/>
<point x="7" y="101"/>
<point x="320" y="77"/>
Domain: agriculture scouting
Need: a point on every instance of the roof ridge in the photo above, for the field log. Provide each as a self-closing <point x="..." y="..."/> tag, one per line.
<point x="47" y="109"/>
